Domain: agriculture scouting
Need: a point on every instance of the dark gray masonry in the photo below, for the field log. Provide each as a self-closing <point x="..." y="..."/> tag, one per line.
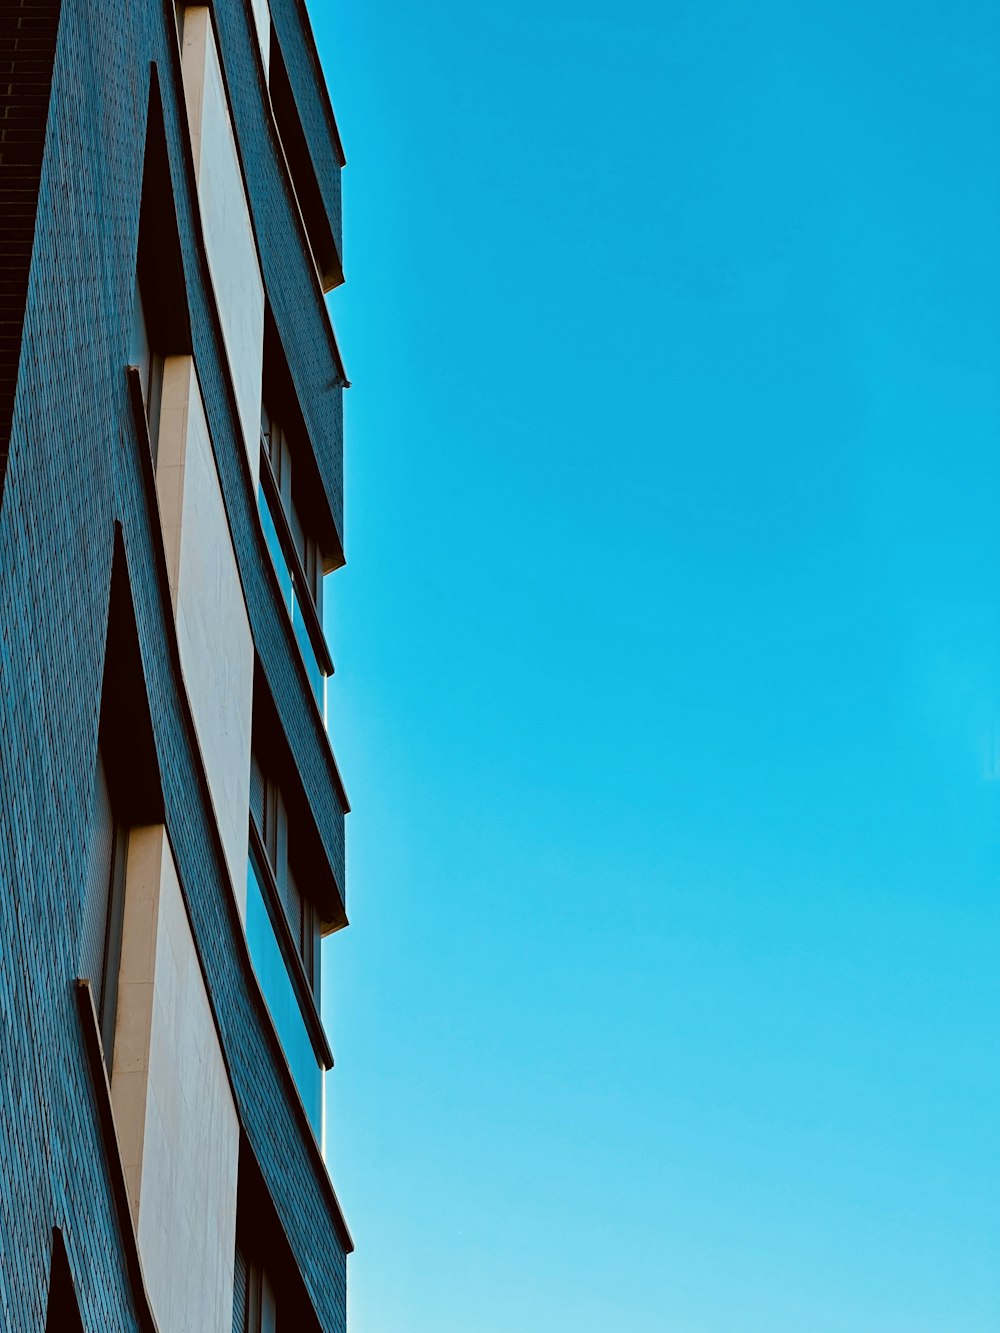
<point x="171" y="813"/>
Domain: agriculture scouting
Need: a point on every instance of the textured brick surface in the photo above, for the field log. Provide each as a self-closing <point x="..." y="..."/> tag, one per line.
<point x="27" y="47"/>
<point x="74" y="470"/>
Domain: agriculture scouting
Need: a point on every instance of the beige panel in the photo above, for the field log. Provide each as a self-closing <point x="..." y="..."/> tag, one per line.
<point x="229" y="240"/>
<point x="134" y="1018"/>
<point x="213" y="632"/>
<point x="262" y="17"/>
<point x="172" y="1099"/>
<point x="179" y="381"/>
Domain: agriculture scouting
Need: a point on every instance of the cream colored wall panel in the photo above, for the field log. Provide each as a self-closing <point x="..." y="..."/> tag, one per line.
<point x="190" y="1151"/>
<point x="262" y="17"/>
<point x="229" y="240"/>
<point x="174" y="1114"/>
<point x="134" y="1018"/>
<point x="213" y="632"/>
<point x="178" y="382"/>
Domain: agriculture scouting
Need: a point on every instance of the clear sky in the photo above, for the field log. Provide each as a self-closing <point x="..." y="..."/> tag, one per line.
<point x="668" y="691"/>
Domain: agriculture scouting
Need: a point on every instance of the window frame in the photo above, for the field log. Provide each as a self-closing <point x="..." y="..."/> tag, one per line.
<point x="262" y="1303"/>
<point x="300" y="946"/>
<point x="111" y="887"/>
<point x="308" y="594"/>
<point x="308" y="999"/>
<point x="149" y="361"/>
<point x="108" y="1007"/>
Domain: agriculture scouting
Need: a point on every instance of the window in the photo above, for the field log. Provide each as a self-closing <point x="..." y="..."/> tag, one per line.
<point x="293" y="899"/>
<point x="278" y="454"/>
<point x="269" y="1295"/>
<point x="255" y="1307"/>
<point x="149" y="362"/>
<point x="267" y="808"/>
<point x="102" y="933"/>
<point x="283" y="935"/>
<point x="161" y="325"/>
<point x="126" y="793"/>
<point x="305" y="926"/>
<point x="295" y="551"/>
<point x="323" y="243"/>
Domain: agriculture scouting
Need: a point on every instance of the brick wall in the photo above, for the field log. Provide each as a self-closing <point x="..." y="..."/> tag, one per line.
<point x="27" y="48"/>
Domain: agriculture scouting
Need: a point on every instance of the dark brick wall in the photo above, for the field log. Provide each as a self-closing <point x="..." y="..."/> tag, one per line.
<point x="27" y="48"/>
<point x="75" y="468"/>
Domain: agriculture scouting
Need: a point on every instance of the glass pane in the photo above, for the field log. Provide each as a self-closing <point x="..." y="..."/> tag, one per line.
<point x="240" y="1292"/>
<point x="290" y="593"/>
<point x="274" y="546"/>
<point x="316" y="678"/>
<point x="139" y="351"/>
<point x="282" y="1001"/>
<point x="94" y="927"/>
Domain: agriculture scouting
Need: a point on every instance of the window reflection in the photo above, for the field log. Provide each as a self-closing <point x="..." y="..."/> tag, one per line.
<point x="289" y="592"/>
<point x="282" y="1001"/>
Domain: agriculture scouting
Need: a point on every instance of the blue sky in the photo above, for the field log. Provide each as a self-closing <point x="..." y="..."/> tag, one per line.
<point x="668" y="690"/>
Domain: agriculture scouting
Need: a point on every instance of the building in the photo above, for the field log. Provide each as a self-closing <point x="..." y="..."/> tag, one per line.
<point x="171" y="813"/>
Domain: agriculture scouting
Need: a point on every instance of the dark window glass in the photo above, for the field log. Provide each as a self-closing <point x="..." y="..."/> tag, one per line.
<point x="63" y="1315"/>
<point x="240" y="1293"/>
<point x="161" y="324"/>
<point x="260" y="1307"/>
<point x="279" y="455"/>
<point x="258" y="793"/>
<point x="267" y="809"/>
<point x="150" y="364"/>
<point x="103" y="908"/>
<point x="309" y="938"/>
<point x="95" y="919"/>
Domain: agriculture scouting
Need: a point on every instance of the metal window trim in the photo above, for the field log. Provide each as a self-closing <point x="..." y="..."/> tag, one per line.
<point x="114" y="928"/>
<point x="316" y="636"/>
<point x="289" y="948"/>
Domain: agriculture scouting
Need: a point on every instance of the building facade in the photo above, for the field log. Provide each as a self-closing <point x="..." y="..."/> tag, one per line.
<point x="171" y="812"/>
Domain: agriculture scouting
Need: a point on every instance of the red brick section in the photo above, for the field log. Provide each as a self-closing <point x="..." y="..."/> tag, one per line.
<point x="27" y="50"/>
